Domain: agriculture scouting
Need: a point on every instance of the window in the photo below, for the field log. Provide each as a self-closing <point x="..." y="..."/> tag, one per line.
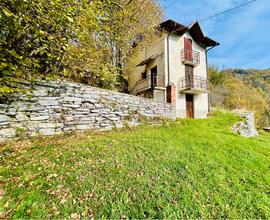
<point x="144" y="75"/>
<point x="154" y="77"/>
<point x="154" y="70"/>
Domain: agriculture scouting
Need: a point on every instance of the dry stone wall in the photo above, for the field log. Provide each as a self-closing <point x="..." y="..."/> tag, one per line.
<point x="54" y="107"/>
<point x="245" y="128"/>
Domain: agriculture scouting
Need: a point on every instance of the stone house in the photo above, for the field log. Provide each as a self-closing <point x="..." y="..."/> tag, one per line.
<point x="173" y="69"/>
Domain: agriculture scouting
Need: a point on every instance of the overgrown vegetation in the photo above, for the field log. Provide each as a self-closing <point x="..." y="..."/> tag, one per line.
<point x="242" y="89"/>
<point x="86" y="41"/>
<point x="185" y="169"/>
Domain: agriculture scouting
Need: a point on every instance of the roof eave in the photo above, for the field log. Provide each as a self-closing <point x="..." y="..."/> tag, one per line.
<point x="194" y="29"/>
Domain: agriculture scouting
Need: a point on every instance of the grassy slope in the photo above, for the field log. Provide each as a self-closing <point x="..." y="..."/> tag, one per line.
<point x="192" y="168"/>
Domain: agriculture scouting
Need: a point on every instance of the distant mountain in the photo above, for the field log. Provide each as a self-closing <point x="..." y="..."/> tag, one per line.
<point x="253" y="77"/>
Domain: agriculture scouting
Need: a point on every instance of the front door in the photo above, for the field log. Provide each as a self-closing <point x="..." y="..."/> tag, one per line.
<point x="190" y="106"/>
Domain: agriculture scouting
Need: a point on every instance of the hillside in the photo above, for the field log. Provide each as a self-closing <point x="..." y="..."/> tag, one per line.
<point x="184" y="169"/>
<point x="239" y="88"/>
<point x="257" y="78"/>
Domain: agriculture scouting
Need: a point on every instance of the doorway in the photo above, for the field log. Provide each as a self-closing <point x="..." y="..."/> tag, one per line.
<point x="190" y="105"/>
<point x="189" y="73"/>
<point x="154" y="77"/>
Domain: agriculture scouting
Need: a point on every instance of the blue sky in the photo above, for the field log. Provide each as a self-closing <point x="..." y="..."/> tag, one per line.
<point x="244" y="34"/>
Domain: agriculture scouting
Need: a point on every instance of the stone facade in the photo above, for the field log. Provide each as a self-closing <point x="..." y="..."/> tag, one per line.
<point x="54" y="107"/>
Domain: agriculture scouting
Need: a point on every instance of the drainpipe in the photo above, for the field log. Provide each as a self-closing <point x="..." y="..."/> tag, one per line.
<point x="168" y="58"/>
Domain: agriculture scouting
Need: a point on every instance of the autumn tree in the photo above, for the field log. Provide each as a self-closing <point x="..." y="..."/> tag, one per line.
<point x="132" y="24"/>
<point x="105" y="49"/>
<point x="87" y="59"/>
<point x="33" y="38"/>
<point x="232" y="92"/>
<point x="85" y="41"/>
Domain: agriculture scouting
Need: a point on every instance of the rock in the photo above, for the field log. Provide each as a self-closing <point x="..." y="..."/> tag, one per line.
<point x="21" y="116"/>
<point x="47" y="102"/>
<point x="84" y="118"/>
<point x="83" y="110"/>
<point x="4" y="118"/>
<point x="69" y="128"/>
<point x="47" y="131"/>
<point x="68" y="118"/>
<point x="83" y="127"/>
<point x="71" y="106"/>
<point x="72" y="99"/>
<point x="247" y="127"/>
<point x="40" y="91"/>
<point x="3" y="106"/>
<point x="34" y="109"/>
<point x="11" y="112"/>
<point x="112" y="118"/>
<point x="7" y="132"/>
<point x="95" y="110"/>
<point x="50" y="125"/>
<point x="28" y="98"/>
<point x="38" y="117"/>
<point x="4" y="124"/>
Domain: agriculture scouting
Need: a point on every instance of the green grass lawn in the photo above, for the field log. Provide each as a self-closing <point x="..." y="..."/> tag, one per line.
<point x="183" y="169"/>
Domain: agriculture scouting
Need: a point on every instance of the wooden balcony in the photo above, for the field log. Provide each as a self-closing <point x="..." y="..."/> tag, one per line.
<point x="151" y="82"/>
<point x="190" y="57"/>
<point x="193" y="85"/>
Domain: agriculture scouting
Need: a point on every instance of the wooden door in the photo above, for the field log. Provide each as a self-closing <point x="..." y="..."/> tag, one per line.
<point x="190" y="106"/>
<point x="189" y="76"/>
<point x="188" y="48"/>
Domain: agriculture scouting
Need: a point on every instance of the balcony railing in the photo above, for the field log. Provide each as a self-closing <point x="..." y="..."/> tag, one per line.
<point x="148" y="83"/>
<point x="190" y="56"/>
<point x="193" y="84"/>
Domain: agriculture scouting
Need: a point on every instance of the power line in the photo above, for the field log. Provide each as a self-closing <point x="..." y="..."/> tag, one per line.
<point x="226" y="11"/>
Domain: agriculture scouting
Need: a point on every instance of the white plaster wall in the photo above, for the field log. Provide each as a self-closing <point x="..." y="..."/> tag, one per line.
<point x="160" y="95"/>
<point x="177" y="70"/>
<point x="159" y="62"/>
<point x="201" y="105"/>
<point x="156" y="48"/>
<point x="199" y="70"/>
<point x="181" y="105"/>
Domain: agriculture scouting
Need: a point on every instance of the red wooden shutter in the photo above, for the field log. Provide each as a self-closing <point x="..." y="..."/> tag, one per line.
<point x="188" y="48"/>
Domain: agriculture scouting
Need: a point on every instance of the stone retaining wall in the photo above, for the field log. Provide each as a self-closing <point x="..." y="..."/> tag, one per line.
<point x="245" y="128"/>
<point x="54" y="107"/>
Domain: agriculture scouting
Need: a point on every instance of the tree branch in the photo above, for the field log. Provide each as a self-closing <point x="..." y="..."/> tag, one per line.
<point x="118" y="5"/>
